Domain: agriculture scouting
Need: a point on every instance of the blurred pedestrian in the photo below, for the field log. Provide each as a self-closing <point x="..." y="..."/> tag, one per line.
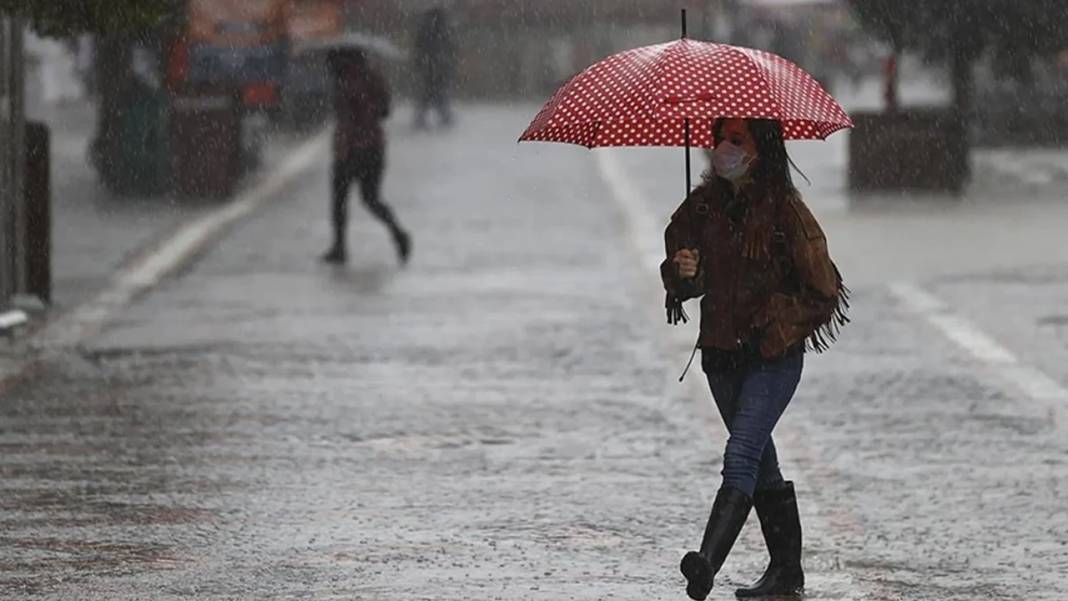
<point x="746" y="244"/>
<point x="433" y="57"/>
<point x="361" y="101"/>
<point x="890" y="83"/>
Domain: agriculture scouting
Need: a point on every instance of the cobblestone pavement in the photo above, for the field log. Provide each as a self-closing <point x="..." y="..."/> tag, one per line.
<point x="500" y="421"/>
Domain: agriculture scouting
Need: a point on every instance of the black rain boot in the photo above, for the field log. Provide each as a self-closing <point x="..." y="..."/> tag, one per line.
<point x="336" y="255"/>
<point x="729" y="512"/>
<point x="777" y="510"/>
<point x="403" y="242"/>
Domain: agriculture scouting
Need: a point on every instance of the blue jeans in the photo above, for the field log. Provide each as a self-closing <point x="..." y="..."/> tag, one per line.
<point x="751" y="398"/>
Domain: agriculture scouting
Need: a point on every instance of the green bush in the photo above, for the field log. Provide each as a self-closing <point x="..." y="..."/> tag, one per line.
<point x="61" y="18"/>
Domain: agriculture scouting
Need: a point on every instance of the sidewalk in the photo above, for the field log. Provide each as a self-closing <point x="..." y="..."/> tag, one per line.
<point x="501" y="418"/>
<point x="94" y="231"/>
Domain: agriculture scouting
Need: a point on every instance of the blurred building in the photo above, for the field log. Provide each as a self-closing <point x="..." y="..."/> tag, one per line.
<point x="526" y="48"/>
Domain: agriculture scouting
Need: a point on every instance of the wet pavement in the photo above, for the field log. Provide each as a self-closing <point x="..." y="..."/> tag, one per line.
<point x="500" y="419"/>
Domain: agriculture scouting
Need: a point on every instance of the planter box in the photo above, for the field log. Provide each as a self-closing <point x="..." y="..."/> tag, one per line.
<point x="923" y="150"/>
<point x="206" y="142"/>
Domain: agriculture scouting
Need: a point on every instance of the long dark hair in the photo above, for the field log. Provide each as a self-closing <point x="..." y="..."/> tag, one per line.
<point x="772" y="166"/>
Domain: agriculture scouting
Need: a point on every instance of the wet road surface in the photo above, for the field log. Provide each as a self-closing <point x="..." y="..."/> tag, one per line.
<point x="500" y="419"/>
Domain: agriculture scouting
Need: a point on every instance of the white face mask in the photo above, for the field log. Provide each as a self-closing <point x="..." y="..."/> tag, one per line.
<point x="731" y="162"/>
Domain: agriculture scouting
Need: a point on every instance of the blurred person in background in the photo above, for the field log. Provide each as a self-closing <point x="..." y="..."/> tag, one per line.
<point x="361" y="103"/>
<point x="433" y="59"/>
<point x="746" y="244"/>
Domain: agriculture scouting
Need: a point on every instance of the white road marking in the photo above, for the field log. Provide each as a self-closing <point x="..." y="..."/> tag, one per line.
<point x="142" y="275"/>
<point x="10" y="319"/>
<point x="1001" y="361"/>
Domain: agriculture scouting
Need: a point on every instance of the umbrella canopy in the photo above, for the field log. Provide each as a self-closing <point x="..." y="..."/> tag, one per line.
<point x="669" y="95"/>
<point x="354" y="40"/>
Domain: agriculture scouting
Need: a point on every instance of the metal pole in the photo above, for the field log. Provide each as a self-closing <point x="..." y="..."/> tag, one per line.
<point x="686" y="123"/>
<point x="38" y="213"/>
<point x="7" y="194"/>
<point x="687" y="130"/>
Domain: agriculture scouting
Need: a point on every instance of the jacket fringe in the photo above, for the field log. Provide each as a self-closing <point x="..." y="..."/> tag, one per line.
<point x="827" y="334"/>
<point x="675" y="312"/>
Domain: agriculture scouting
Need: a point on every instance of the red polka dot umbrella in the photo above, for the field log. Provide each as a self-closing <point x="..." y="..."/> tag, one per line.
<point x="670" y="94"/>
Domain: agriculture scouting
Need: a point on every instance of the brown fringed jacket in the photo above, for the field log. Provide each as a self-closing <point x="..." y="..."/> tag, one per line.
<point x="765" y="277"/>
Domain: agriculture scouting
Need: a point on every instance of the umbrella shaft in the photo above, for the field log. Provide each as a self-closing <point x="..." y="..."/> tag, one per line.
<point x="686" y="129"/>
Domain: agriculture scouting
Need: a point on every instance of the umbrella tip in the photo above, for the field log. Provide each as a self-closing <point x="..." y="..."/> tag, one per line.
<point x="684" y="23"/>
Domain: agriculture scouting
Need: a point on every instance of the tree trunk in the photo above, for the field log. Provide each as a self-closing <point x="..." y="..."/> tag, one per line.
<point x="112" y="76"/>
<point x="890" y="82"/>
<point x="963" y="84"/>
<point x="963" y="80"/>
<point x="111" y="72"/>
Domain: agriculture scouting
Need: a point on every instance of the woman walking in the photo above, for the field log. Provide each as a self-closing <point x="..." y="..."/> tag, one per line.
<point x="746" y="244"/>
<point x="362" y="101"/>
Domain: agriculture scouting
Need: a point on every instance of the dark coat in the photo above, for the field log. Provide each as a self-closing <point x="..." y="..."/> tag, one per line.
<point x="434" y="48"/>
<point x="765" y="278"/>
<point x="361" y="101"/>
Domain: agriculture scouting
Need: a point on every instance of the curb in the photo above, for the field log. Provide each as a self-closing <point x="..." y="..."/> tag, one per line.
<point x="150" y="268"/>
